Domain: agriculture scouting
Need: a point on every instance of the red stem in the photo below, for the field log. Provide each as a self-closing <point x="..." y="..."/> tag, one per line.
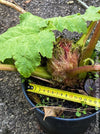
<point x="87" y="53"/>
<point x="82" y="69"/>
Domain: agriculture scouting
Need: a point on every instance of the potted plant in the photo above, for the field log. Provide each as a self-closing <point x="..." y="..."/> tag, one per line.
<point x="32" y="49"/>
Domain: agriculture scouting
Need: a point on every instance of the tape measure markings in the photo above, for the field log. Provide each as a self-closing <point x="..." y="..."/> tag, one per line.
<point x="61" y="94"/>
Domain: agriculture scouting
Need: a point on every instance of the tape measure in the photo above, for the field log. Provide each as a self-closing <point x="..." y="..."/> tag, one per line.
<point x="61" y="94"/>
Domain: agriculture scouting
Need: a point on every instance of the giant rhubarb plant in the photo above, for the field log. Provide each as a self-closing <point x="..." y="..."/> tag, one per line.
<point x="34" y="38"/>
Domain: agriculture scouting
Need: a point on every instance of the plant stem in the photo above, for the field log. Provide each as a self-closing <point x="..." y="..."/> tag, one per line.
<point x="39" y="71"/>
<point x="83" y="39"/>
<point x="61" y="108"/>
<point x="83" y="3"/>
<point x="6" y="67"/>
<point x="16" y="7"/>
<point x="82" y="69"/>
<point x="87" y="53"/>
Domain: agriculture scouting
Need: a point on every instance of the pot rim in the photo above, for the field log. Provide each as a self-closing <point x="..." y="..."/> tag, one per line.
<point x="64" y="119"/>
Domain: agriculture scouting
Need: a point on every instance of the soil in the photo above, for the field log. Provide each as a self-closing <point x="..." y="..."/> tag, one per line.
<point x="15" y="114"/>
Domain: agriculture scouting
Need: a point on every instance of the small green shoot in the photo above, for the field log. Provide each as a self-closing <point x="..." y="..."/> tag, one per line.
<point x="96" y="108"/>
<point x="96" y="75"/>
<point x="29" y="81"/>
<point x="84" y="112"/>
<point x="83" y="104"/>
<point x="90" y="75"/>
<point x="90" y="88"/>
<point x="47" y="99"/>
<point x="78" y="114"/>
<point x="23" y="80"/>
<point x="87" y="60"/>
<point x="62" y="116"/>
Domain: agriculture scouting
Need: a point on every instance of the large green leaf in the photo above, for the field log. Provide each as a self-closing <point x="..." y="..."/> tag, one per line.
<point x="25" y="43"/>
<point x="92" y="14"/>
<point x="77" y="22"/>
<point x="32" y="21"/>
<point x="73" y="23"/>
<point x="33" y="36"/>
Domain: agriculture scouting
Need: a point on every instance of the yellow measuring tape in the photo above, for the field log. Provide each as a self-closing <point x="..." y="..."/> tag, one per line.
<point x="57" y="93"/>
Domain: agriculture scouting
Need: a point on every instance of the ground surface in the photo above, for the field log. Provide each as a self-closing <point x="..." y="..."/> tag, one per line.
<point x="15" y="114"/>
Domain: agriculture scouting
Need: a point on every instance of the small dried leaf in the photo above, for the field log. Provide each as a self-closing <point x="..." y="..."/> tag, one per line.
<point x="52" y="112"/>
<point x="82" y="92"/>
<point x="27" y="1"/>
<point x="34" y="98"/>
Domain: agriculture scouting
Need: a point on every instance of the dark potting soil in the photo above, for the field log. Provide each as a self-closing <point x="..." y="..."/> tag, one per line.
<point x="50" y="101"/>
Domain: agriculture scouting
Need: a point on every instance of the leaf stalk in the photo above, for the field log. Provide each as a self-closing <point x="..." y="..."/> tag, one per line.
<point x="16" y="7"/>
<point x="83" y="39"/>
<point x="6" y="67"/>
<point x="39" y="71"/>
<point x="84" y="69"/>
<point x="87" y="53"/>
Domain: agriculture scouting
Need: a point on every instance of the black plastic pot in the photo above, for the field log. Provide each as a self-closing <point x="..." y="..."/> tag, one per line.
<point x="55" y="125"/>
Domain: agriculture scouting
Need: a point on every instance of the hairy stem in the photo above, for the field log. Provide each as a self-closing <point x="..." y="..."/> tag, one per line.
<point x="82" y="69"/>
<point x="87" y="53"/>
<point x="16" y="7"/>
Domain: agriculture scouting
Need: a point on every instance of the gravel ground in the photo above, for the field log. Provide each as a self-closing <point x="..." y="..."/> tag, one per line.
<point x="15" y="114"/>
